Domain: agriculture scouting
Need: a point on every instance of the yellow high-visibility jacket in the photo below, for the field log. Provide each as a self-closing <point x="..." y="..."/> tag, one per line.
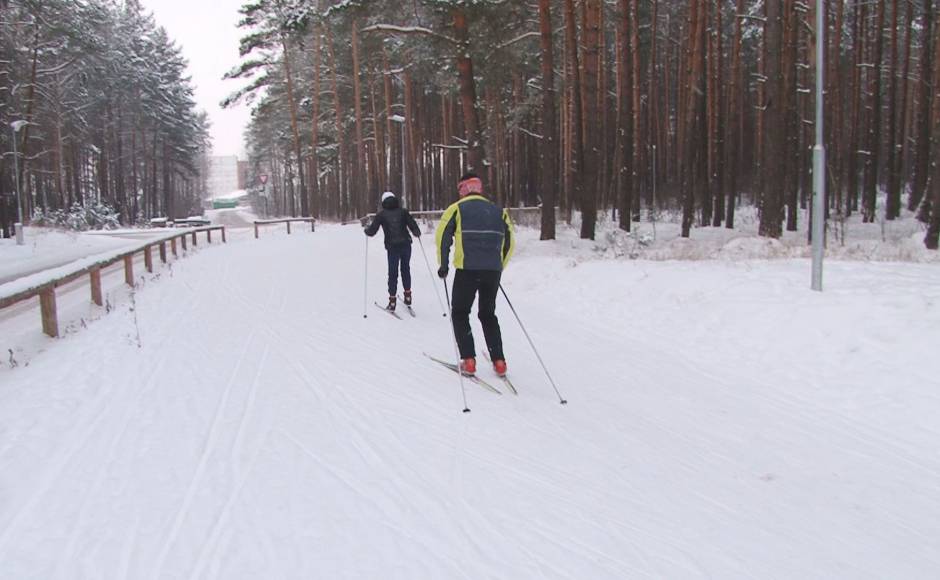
<point x="481" y="233"/>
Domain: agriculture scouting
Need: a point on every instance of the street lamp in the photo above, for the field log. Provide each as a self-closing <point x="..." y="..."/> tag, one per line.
<point x="15" y="127"/>
<point x="819" y="155"/>
<point x="404" y="173"/>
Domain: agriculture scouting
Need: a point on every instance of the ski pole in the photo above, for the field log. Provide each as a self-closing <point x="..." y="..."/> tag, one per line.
<point x="365" y="284"/>
<point x="453" y="333"/>
<point x="431" y="274"/>
<point x="561" y="399"/>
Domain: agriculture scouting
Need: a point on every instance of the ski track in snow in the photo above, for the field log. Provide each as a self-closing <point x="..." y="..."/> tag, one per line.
<point x="265" y="430"/>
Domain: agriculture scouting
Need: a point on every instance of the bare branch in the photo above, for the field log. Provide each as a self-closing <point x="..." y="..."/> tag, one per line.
<point x="392" y="29"/>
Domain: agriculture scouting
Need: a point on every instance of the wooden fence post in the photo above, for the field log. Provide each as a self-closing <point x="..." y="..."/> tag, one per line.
<point x="173" y="247"/>
<point x="183" y="240"/>
<point x="47" y="308"/>
<point x="313" y="225"/>
<point x="288" y="227"/>
<point x="148" y="259"/>
<point x="163" y="252"/>
<point x="256" y="230"/>
<point x="209" y="236"/>
<point x="129" y="269"/>
<point x="195" y="242"/>
<point x="96" y="286"/>
<point x="223" y="235"/>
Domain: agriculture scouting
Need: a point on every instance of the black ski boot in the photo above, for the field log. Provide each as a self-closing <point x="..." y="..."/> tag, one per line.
<point x="391" y="303"/>
<point x="407" y="297"/>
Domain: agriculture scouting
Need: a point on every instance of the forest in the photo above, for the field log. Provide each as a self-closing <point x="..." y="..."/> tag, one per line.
<point x="625" y="106"/>
<point x="99" y="102"/>
<point x="628" y="107"/>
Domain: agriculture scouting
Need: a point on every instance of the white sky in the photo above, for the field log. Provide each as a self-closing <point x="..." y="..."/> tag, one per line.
<point x="206" y="30"/>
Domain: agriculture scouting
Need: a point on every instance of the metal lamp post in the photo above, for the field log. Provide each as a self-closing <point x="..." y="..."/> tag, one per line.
<point x="15" y="127"/>
<point x="819" y="155"/>
<point x="404" y="173"/>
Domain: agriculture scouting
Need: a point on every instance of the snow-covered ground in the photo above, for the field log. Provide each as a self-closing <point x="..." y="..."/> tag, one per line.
<point x="47" y="248"/>
<point x="238" y="217"/>
<point x="899" y="240"/>
<point x="236" y="417"/>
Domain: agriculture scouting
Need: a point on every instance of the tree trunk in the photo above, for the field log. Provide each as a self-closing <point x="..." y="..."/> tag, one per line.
<point x="717" y="120"/>
<point x="932" y="239"/>
<point x="694" y="162"/>
<point x="893" y="203"/>
<point x="342" y="165"/>
<point x="547" y="150"/>
<point x="23" y="149"/>
<point x="167" y="191"/>
<point x="315" y="127"/>
<point x="380" y="175"/>
<point x="636" y="152"/>
<point x="904" y="115"/>
<point x="654" y="122"/>
<point x="856" y="129"/>
<point x="295" y="129"/>
<point x="922" y="153"/>
<point x="734" y="121"/>
<point x="591" y="15"/>
<point x="835" y="122"/>
<point x="625" y="122"/>
<point x="576" y="166"/>
<point x="476" y="154"/>
<point x="788" y="103"/>
<point x="771" y="220"/>
<point x="873" y="145"/>
<point x="363" y="190"/>
<point x="410" y="154"/>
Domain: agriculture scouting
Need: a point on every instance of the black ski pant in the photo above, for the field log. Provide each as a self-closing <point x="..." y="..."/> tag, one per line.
<point x="399" y="254"/>
<point x="467" y="284"/>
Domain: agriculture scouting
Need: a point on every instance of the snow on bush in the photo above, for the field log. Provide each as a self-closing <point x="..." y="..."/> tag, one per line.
<point x="79" y="218"/>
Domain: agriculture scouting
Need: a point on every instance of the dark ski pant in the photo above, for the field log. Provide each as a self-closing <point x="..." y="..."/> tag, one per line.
<point x="399" y="254"/>
<point x="467" y="284"/>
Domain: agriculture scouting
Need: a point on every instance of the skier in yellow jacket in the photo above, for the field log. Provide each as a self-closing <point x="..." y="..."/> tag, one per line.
<point x="483" y="240"/>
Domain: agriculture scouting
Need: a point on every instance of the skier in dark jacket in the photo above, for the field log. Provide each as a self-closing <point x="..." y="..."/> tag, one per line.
<point x="395" y="222"/>
<point x="483" y="241"/>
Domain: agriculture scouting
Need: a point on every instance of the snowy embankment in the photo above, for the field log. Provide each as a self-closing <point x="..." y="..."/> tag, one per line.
<point x="899" y="240"/>
<point x="47" y="248"/>
<point x="242" y="420"/>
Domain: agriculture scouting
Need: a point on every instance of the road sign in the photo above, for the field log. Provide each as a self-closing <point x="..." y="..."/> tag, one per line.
<point x="263" y="179"/>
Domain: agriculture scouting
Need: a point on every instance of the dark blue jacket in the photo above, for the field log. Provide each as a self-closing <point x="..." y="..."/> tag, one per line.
<point x="395" y="222"/>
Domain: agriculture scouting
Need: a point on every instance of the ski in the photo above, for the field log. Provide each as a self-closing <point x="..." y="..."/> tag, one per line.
<point x="505" y="379"/>
<point x="509" y="385"/>
<point x="471" y="378"/>
<point x="384" y="309"/>
<point x="411" y="310"/>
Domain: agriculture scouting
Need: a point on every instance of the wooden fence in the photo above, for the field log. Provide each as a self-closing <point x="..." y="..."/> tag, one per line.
<point x="287" y="221"/>
<point x="46" y="290"/>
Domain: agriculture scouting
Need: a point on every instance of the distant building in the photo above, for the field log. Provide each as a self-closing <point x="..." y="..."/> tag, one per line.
<point x="223" y="175"/>
<point x="242" y="175"/>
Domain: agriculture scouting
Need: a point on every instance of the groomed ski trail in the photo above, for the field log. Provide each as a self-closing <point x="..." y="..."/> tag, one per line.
<point x="264" y="429"/>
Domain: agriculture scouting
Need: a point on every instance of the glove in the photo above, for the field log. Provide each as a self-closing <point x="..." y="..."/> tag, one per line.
<point x="442" y="272"/>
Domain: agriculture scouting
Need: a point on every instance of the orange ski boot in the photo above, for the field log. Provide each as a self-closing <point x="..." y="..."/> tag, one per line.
<point x="468" y="366"/>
